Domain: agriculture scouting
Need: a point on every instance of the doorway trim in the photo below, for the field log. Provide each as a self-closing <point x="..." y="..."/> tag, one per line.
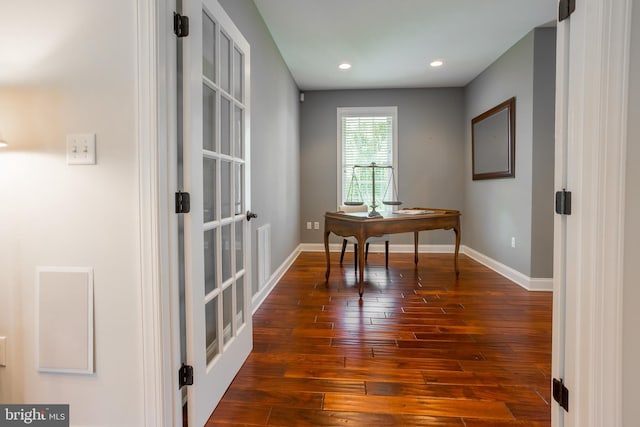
<point x="156" y="136"/>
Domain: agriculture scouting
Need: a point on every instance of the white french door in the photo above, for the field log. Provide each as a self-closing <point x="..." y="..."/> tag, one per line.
<point x="216" y="231"/>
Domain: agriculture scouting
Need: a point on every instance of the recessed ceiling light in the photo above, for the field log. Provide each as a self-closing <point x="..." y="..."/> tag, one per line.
<point x="344" y="66"/>
<point x="437" y="63"/>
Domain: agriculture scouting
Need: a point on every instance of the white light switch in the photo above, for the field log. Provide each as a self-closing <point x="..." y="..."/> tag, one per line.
<point x="3" y="351"/>
<point x="81" y="149"/>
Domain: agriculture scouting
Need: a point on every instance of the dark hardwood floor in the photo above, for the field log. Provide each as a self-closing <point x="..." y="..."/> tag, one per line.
<point x="421" y="349"/>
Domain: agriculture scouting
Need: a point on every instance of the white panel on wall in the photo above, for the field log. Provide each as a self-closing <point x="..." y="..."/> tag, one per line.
<point x="64" y="319"/>
<point x="264" y="254"/>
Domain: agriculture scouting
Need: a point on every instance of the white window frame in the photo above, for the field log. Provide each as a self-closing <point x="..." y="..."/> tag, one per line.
<point x="367" y="112"/>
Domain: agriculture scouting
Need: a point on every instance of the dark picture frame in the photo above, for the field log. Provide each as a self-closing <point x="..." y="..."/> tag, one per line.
<point x="493" y="142"/>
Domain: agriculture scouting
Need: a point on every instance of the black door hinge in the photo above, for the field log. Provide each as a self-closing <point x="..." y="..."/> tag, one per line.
<point x="565" y="9"/>
<point x="561" y="394"/>
<point x="185" y="375"/>
<point x="183" y="202"/>
<point x="563" y="202"/>
<point x="180" y="25"/>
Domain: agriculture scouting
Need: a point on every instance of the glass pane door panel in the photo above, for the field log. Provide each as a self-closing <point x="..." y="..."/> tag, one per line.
<point x="226" y="252"/>
<point x="238" y="126"/>
<point x="209" y="188"/>
<point x="225" y="126"/>
<point x="208" y="47"/>
<point x="239" y="247"/>
<point x="239" y="193"/>
<point x="227" y="314"/>
<point x="240" y="301"/>
<point x="238" y="74"/>
<point x="209" y="119"/>
<point x="216" y="89"/>
<point x="211" y="325"/>
<point x="225" y="62"/>
<point x="225" y="188"/>
<point x="210" y="263"/>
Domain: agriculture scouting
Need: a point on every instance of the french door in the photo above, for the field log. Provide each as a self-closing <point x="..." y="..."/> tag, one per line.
<point x="215" y="116"/>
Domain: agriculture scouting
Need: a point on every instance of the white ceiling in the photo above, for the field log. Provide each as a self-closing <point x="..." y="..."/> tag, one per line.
<point x="390" y="43"/>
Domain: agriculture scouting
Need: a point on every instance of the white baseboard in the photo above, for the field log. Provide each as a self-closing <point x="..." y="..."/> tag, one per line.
<point x="319" y="247"/>
<point x="530" y="284"/>
<point x="379" y="247"/>
<point x="259" y="298"/>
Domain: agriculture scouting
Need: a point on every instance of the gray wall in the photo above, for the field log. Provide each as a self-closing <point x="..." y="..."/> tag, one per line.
<point x="430" y="151"/>
<point x="275" y="170"/>
<point x="631" y="291"/>
<point x="543" y="156"/>
<point x="498" y="209"/>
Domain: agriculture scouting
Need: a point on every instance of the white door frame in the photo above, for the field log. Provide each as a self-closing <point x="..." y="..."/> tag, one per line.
<point x="156" y="113"/>
<point x="591" y="127"/>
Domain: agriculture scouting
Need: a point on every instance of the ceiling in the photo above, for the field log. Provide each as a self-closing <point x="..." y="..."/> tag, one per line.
<point x="390" y="43"/>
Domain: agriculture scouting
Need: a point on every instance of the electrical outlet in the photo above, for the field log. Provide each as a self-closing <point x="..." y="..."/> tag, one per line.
<point x="308" y="225"/>
<point x="316" y="225"/>
<point x="81" y="149"/>
<point x="513" y="242"/>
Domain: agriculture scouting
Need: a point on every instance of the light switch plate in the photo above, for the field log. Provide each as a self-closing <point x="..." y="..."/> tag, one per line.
<point x="3" y="351"/>
<point x="81" y="149"/>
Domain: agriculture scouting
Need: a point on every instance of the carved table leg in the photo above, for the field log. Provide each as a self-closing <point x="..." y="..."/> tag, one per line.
<point x="415" y="247"/>
<point x="455" y="257"/>
<point x="361" y="259"/>
<point x="326" y="251"/>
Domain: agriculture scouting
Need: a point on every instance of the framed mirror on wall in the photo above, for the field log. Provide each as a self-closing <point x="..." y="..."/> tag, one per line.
<point x="493" y="142"/>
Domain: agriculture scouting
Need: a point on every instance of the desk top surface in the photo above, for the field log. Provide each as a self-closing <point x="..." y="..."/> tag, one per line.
<point x="401" y="214"/>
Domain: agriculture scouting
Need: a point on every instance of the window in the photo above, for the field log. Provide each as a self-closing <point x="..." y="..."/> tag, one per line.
<point x="366" y="135"/>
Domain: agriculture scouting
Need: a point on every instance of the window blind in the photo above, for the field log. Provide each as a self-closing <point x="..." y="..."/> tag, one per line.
<point x="366" y="139"/>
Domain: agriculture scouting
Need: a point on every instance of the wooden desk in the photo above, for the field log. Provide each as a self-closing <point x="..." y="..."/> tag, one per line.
<point x="360" y="226"/>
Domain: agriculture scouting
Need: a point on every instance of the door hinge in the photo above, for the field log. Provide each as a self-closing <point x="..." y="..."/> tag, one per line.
<point x="183" y="202"/>
<point x="180" y="25"/>
<point x="561" y="394"/>
<point x="563" y="202"/>
<point x="565" y="9"/>
<point x="185" y="375"/>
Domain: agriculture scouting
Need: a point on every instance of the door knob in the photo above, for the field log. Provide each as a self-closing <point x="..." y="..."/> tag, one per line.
<point x="251" y="215"/>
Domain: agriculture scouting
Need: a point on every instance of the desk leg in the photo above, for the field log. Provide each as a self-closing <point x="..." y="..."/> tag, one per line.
<point x="455" y="257"/>
<point x="326" y="251"/>
<point x="415" y="247"/>
<point x="361" y="259"/>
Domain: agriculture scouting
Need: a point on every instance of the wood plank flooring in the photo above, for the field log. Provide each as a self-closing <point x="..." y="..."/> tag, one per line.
<point x="420" y="349"/>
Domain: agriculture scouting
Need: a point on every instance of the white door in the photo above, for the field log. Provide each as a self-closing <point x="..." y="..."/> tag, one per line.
<point x="215" y="159"/>
<point x="560" y="221"/>
<point x="591" y="95"/>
